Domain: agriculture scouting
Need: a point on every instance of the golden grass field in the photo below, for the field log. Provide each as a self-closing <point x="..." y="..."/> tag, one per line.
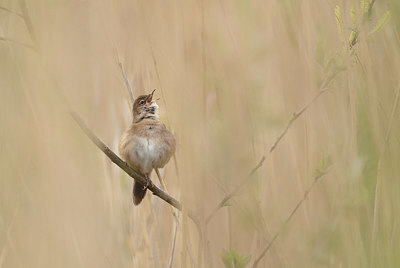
<point x="231" y="76"/>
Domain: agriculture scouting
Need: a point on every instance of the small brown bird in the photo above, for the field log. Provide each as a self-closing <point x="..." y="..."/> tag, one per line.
<point x="146" y="144"/>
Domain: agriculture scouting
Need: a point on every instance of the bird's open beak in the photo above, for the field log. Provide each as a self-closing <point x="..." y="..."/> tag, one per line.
<point x="150" y="97"/>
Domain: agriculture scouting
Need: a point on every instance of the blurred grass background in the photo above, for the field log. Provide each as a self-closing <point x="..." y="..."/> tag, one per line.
<point x="230" y="75"/>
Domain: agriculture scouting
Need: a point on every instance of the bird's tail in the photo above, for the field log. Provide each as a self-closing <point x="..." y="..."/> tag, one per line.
<point x="138" y="193"/>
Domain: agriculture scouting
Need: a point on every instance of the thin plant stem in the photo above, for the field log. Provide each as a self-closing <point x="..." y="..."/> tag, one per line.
<point x="131" y="172"/>
<point x="277" y="234"/>
<point x="11" y="11"/>
<point x="161" y="180"/>
<point x="222" y="203"/>
<point x="6" y="39"/>
<point x="296" y="115"/>
<point x="378" y="177"/>
<point x="128" y="85"/>
<point x="171" y="258"/>
<point x="28" y="23"/>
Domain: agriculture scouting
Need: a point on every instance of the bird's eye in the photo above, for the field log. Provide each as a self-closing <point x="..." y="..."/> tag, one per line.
<point x="142" y="102"/>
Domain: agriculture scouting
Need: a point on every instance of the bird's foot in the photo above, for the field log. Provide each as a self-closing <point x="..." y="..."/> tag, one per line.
<point x="148" y="182"/>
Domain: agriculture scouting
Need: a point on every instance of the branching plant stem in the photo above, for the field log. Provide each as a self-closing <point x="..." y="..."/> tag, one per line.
<point x="298" y="205"/>
<point x="11" y="11"/>
<point x="132" y="173"/>
<point x="296" y="115"/>
<point x="222" y="203"/>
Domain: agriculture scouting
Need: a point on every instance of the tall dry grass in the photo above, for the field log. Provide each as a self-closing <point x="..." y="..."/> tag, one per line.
<point x="230" y="75"/>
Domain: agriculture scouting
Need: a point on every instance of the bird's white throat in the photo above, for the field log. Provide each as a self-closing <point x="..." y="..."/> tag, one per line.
<point x="155" y="105"/>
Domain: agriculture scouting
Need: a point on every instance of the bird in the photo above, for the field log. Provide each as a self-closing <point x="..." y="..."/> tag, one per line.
<point x="146" y="144"/>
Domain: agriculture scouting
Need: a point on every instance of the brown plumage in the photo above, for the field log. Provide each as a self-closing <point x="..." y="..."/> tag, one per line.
<point x="146" y="144"/>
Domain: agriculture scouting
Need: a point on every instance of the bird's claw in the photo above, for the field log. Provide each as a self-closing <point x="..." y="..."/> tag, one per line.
<point x="148" y="182"/>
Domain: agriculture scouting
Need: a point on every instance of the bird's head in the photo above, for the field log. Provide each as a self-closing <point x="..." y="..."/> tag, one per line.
<point x="145" y="106"/>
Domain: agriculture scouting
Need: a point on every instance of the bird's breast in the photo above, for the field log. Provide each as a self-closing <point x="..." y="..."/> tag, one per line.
<point x="147" y="146"/>
<point x="147" y="153"/>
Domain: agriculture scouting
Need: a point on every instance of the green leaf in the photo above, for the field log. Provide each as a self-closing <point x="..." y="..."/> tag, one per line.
<point x="243" y="262"/>
<point x="227" y="203"/>
<point x="385" y="18"/>
<point x="339" y="21"/>
<point x="322" y="167"/>
<point x="232" y="259"/>
<point x="353" y="38"/>
<point x="227" y="259"/>
<point x="364" y="6"/>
